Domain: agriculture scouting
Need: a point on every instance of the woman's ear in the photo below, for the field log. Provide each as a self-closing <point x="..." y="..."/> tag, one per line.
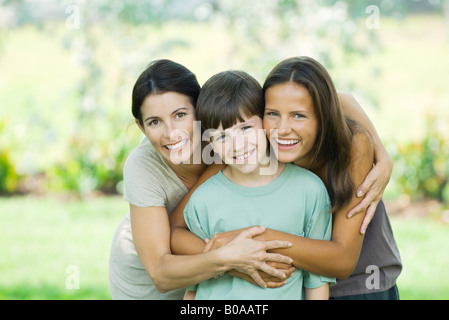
<point x="140" y="126"/>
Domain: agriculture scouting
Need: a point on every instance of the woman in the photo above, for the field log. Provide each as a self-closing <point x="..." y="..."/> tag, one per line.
<point x="157" y="175"/>
<point x="306" y="126"/>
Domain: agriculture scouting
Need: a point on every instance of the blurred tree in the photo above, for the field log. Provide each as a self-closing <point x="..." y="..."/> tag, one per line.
<point x="421" y="168"/>
<point x="263" y="33"/>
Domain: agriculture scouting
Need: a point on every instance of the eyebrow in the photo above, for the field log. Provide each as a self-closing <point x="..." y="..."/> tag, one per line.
<point x="290" y="112"/>
<point x="174" y="112"/>
<point x="247" y="122"/>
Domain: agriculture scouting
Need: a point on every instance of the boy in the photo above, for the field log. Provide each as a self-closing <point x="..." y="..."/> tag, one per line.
<point x="290" y="199"/>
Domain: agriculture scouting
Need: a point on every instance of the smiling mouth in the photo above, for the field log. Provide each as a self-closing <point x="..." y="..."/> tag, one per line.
<point x="287" y="142"/>
<point x="176" y="146"/>
<point x="245" y="156"/>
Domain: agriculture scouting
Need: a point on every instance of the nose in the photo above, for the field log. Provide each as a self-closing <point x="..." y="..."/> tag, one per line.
<point x="284" y="127"/>
<point x="171" y="131"/>
<point x="240" y="142"/>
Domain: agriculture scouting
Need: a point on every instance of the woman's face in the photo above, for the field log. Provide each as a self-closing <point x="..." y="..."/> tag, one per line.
<point x="168" y="123"/>
<point x="290" y="122"/>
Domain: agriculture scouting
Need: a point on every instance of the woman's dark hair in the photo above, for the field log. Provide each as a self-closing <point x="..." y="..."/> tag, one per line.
<point x="226" y="97"/>
<point x="163" y="76"/>
<point x="335" y="132"/>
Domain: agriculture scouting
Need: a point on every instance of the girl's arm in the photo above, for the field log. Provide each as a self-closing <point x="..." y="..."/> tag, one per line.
<point x="336" y="258"/>
<point x="376" y="181"/>
<point x="184" y="242"/>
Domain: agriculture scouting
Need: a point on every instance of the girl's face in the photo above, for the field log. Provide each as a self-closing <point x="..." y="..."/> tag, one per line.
<point x="168" y="123"/>
<point x="290" y="122"/>
<point x="243" y="146"/>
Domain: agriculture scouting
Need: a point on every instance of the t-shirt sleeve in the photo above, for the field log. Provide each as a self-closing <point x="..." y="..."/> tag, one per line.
<point x="142" y="185"/>
<point x="195" y="215"/>
<point x="319" y="227"/>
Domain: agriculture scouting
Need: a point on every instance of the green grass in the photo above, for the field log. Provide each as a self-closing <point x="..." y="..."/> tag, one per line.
<point x="423" y="244"/>
<point x="41" y="237"/>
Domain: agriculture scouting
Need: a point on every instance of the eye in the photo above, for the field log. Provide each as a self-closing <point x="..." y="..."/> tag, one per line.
<point x="271" y="114"/>
<point x="219" y="137"/>
<point x="245" y="128"/>
<point x="153" y="122"/>
<point x="298" y="116"/>
<point x="180" y="115"/>
<point x="222" y="137"/>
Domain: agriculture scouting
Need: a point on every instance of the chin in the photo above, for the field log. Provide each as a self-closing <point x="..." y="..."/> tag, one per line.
<point x="285" y="157"/>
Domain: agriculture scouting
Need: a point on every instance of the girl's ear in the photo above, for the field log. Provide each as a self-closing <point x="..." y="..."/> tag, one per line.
<point x="140" y="126"/>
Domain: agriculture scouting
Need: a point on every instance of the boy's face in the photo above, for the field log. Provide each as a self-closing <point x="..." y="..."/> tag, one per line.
<point x="242" y="146"/>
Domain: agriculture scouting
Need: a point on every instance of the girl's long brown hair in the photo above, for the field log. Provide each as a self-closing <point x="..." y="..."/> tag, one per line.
<point x="333" y="143"/>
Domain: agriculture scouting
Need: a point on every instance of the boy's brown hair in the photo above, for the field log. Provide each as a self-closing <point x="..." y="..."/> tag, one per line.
<point x="228" y="96"/>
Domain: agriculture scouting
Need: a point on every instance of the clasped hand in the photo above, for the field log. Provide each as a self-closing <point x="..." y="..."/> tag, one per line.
<point x="251" y="259"/>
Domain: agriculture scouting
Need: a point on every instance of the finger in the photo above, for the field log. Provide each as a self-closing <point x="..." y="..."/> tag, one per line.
<point x="365" y="186"/>
<point x="360" y="208"/>
<point x="370" y="197"/>
<point x="257" y="278"/>
<point x="208" y="246"/>
<point x="274" y="284"/>
<point x="368" y="217"/>
<point x="272" y="271"/>
<point x="279" y="265"/>
<point x="252" y="232"/>
<point x="277" y="244"/>
<point x="276" y="257"/>
<point x="288" y="273"/>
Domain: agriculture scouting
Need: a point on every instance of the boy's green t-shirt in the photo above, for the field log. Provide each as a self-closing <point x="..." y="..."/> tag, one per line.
<point x="296" y="202"/>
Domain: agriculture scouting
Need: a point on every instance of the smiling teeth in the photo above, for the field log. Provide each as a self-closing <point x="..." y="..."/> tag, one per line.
<point x="286" y="142"/>
<point x="177" y="145"/>
<point x="245" y="156"/>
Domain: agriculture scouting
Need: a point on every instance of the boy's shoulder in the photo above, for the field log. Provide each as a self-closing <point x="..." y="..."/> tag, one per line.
<point x="210" y="186"/>
<point x="305" y="175"/>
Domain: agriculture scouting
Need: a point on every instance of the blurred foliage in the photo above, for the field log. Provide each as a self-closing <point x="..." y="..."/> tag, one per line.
<point x="261" y="33"/>
<point x="421" y="169"/>
<point x="9" y="178"/>
<point x="91" y="165"/>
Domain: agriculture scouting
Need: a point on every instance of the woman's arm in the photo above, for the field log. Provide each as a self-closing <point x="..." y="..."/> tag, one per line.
<point x="376" y="181"/>
<point x="182" y="240"/>
<point x="336" y="258"/>
<point x="186" y="243"/>
<point x="151" y="236"/>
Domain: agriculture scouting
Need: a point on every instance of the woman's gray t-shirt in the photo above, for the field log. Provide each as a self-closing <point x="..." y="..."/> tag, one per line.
<point x="148" y="182"/>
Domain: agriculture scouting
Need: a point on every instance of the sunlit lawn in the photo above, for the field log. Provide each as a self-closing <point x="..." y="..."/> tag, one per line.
<point x="44" y="238"/>
<point x="424" y="247"/>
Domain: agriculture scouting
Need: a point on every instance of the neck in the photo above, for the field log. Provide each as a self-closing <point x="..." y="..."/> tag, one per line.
<point x="319" y="168"/>
<point x="187" y="173"/>
<point x="256" y="178"/>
